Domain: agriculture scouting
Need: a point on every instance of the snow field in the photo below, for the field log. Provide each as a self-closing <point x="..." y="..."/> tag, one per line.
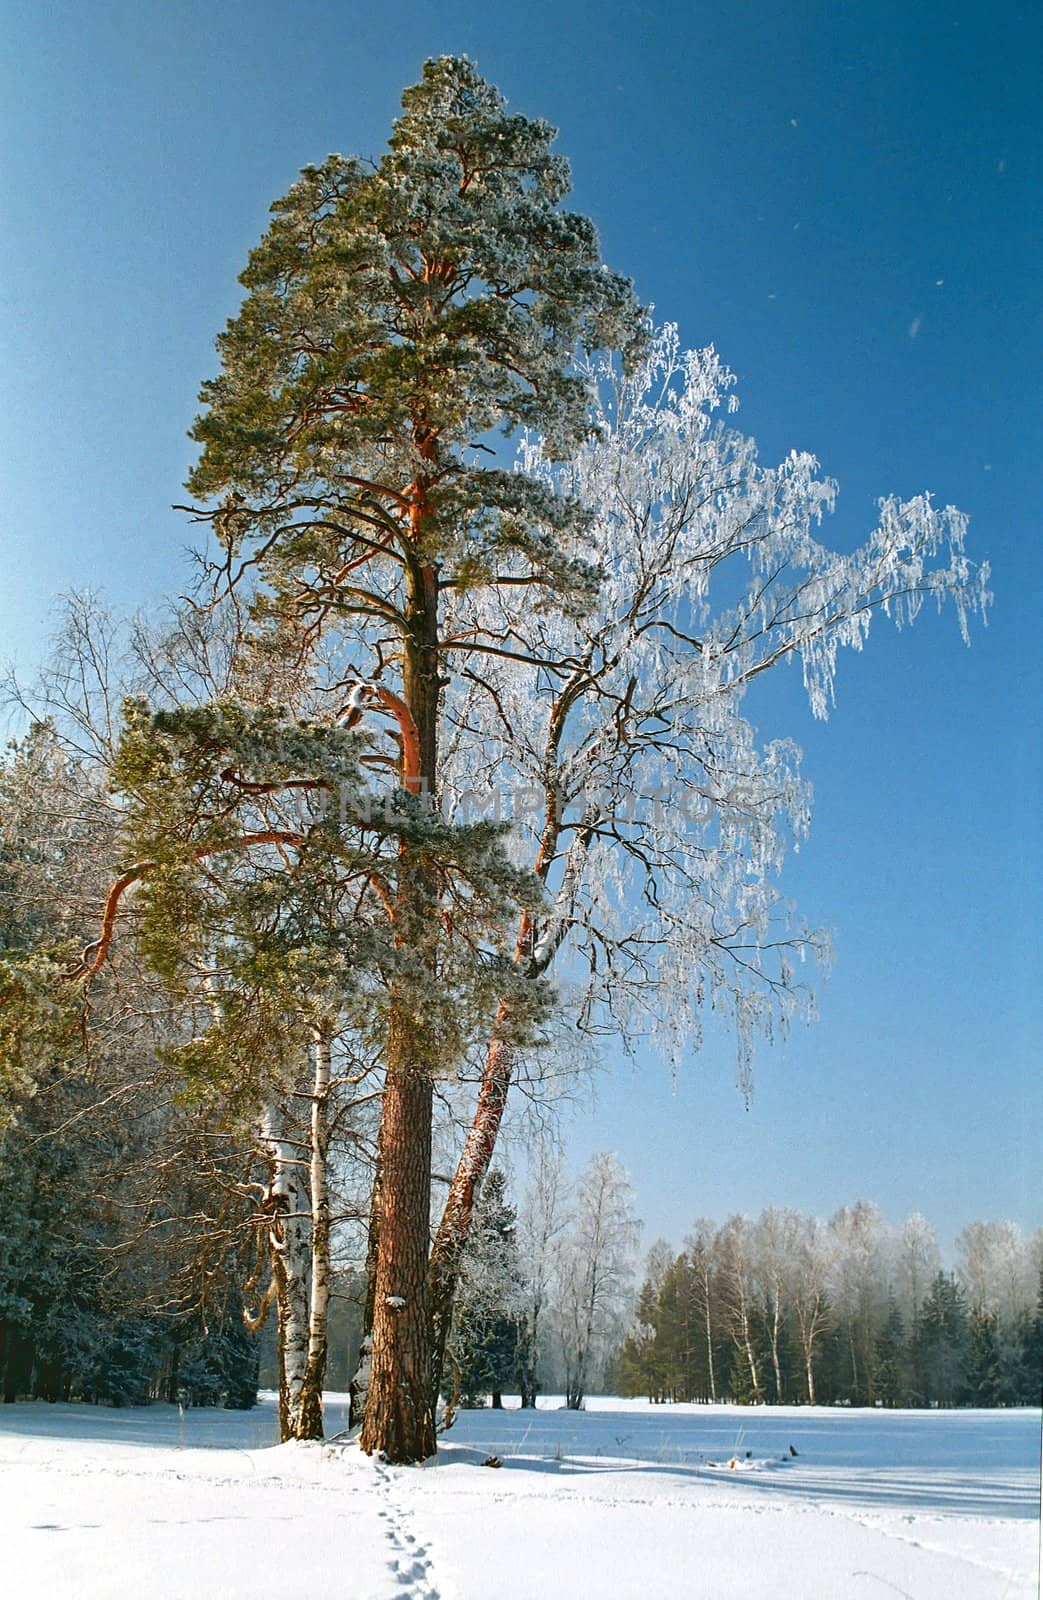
<point x="618" y="1501"/>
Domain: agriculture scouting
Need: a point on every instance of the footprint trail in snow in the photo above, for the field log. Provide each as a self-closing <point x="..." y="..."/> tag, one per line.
<point x="411" y="1562"/>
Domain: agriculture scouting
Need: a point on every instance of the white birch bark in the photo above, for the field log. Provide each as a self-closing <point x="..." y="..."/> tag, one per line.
<point x="287" y="1206"/>
<point x="307" y="1418"/>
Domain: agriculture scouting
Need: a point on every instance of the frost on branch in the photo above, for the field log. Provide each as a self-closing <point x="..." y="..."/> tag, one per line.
<point x="657" y="819"/>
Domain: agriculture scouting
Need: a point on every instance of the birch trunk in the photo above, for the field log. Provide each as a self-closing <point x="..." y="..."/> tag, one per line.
<point x="709" y="1349"/>
<point x="535" y="957"/>
<point x="307" y="1421"/>
<point x="810" y="1321"/>
<point x="747" y="1345"/>
<point x="775" y="1361"/>
<point x="359" y="1387"/>
<point x="287" y="1206"/>
<point x="528" y="1352"/>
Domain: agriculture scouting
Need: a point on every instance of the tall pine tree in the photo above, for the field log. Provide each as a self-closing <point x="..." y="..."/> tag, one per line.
<point x="397" y="316"/>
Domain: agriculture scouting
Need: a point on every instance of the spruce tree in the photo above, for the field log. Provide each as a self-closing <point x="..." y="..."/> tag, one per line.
<point x="676" y="1331"/>
<point x="1030" y="1384"/>
<point x="486" y="1323"/>
<point x="944" y="1343"/>
<point x="984" y="1378"/>
<point x="891" y="1382"/>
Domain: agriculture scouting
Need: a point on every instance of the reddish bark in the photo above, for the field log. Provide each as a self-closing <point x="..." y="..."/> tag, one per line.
<point x="399" y="1419"/>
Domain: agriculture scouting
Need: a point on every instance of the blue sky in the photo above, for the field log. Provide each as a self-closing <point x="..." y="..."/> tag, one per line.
<point x="845" y="198"/>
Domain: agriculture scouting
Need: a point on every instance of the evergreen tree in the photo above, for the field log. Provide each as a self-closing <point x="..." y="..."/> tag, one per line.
<point x="892" y="1375"/>
<point x="665" y="1356"/>
<point x="485" y="1328"/>
<point x="643" y="1363"/>
<point x="218" y="1362"/>
<point x="944" y="1343"/>
<point x="638" y="1370"/>
<point x="397" y="315"/>
<point x="676" y="1331"/>
<point x="1031" y="1364"/>
<point x="984" y="1378"/>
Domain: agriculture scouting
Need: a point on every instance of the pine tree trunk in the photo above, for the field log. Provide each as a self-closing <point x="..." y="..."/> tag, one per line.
<point x="399" y="1417"/>
<point x="399" y="1421"/>
<point x="173" y="1375"/>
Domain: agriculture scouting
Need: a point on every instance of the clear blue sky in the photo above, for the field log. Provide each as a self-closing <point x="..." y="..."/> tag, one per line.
<point x="846" y="199"/>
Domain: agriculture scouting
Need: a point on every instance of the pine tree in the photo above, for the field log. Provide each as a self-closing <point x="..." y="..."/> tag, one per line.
<point x="218" y="1363"/>
<point x="397" y="315"/>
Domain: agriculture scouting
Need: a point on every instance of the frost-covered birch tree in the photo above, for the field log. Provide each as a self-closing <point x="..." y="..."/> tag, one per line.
<point x="776" y="1240"/>
<point x="700" y="1249"/>
<point x="996" y="1269"/>
<point x="861" y="1243"/>
<point x="596" y="1272"/>
<point x="620" y="742"/>
<point x="541" y="1222"/>
<point x="917" y="1261"/>
<point x="735" y="1249"/>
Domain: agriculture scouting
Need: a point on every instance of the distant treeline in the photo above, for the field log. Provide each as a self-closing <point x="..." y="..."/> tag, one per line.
<point x="788" y="1309"/>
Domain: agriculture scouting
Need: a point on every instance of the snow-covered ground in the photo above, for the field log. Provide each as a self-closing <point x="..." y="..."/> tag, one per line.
<point x="624" y="1500"/>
